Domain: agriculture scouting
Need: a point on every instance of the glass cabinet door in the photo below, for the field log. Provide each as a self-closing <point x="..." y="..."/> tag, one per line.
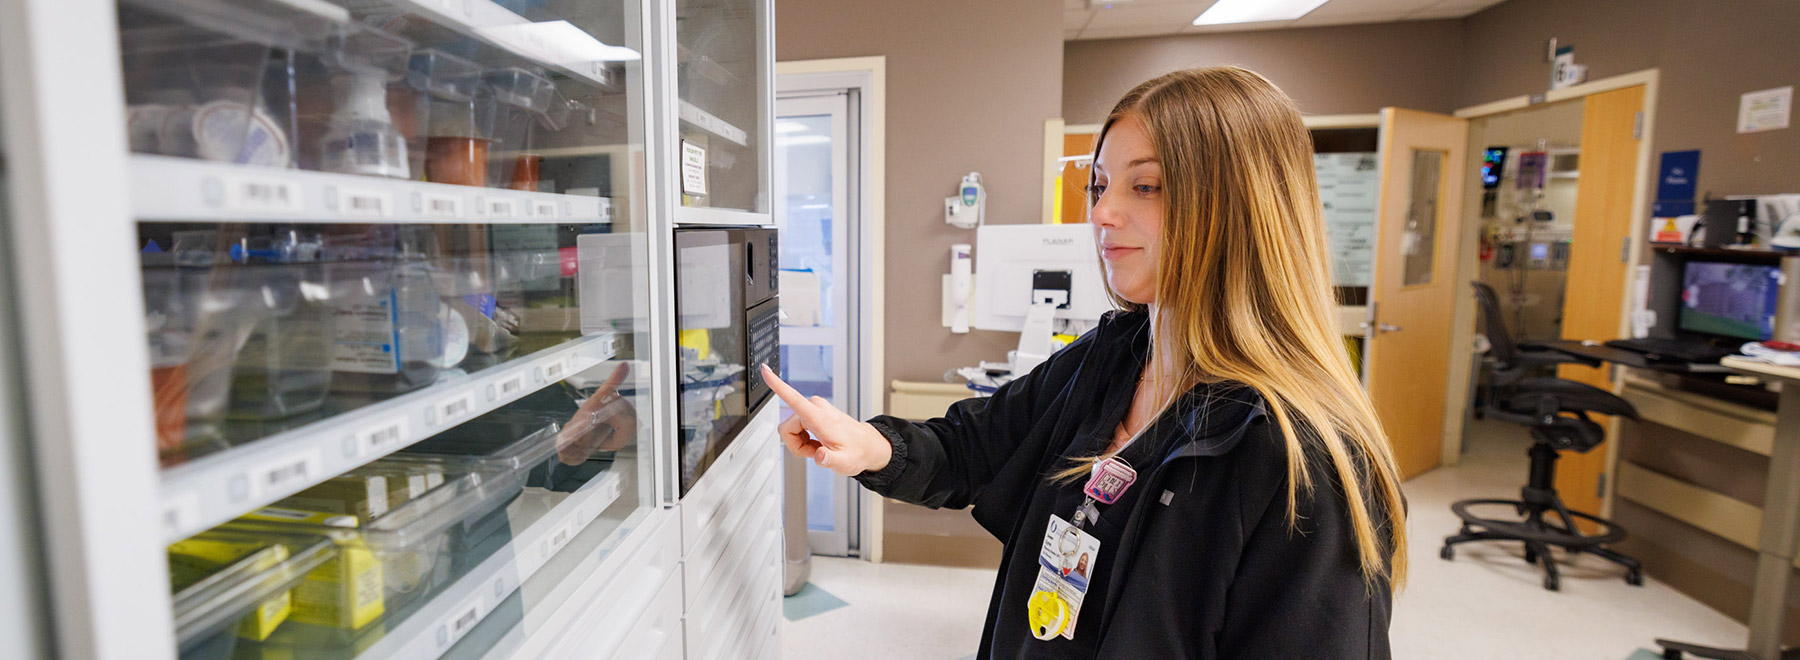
<point x="395" y="284"/>
<point x="722" y="80"/>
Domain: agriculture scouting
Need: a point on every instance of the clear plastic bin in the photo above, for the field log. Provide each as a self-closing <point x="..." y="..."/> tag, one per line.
<point x="231" y="585"/>
<point x="386" y="324"/>
<point x="362" y="135"/>
<point x="196" y="93"/>
<point x="403" y="551"/>
<point x="447" y="139"/>
<point x="283" y="367"/>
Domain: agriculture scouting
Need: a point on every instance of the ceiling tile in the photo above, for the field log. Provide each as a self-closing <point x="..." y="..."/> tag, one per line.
<point x="1350" y="7"/>
<point x="1166" y="17"/>
<point x="1119" y="33"/>
<point x="1315" y="19"/>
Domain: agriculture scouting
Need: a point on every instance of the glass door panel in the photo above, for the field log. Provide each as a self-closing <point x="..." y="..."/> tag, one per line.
<point x="395" y="279"/>
<point x="721" y="74"/>
<point x="818" y="330"/>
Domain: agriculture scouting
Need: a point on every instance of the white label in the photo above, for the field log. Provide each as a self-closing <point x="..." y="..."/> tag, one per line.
<point x="367" y="339"/>
<point x="460" y="622"/>
<point x="433" y="480"/>
<point x="443" y="206"/>
<point x="543" y="210"/>
<point x="180" y="513"/>
<point x="559" y="538"/>
<point x="500" y="207"/>
<point x="287" y="474"/>
<point x="513" y="385"/>
<point x="693" y="168"/>
<point x="458" y="406"/>
<point x="556" y="370"/>
<point x="416" y="486"/>
<point x="365" y="203"/>
<point x="262" y="195"/>
<point x="383" y="437"/>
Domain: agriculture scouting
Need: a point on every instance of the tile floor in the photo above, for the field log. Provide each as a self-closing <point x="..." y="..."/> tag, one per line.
<point x="1486" y="604"/>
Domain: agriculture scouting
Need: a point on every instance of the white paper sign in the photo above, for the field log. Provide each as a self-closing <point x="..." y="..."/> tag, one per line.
<point x="693" y="168"/>
<point x="1765" y="110"/>
<point x="1348" y="186"/>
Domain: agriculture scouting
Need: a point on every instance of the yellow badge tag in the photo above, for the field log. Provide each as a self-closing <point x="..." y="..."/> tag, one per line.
<point x="1048" y="614"/>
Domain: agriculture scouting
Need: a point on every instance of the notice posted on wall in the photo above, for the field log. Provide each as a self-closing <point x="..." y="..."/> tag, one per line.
<point x="1349" y="184"/>
<point x="1765" y="110"/>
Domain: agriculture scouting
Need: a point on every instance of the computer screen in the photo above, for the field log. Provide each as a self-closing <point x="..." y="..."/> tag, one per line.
<point x="1729" y="299"/>
<point x="1012" y="262"/>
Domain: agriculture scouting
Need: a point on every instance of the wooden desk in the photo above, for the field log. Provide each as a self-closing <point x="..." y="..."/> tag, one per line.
<point x="1780" y="525"/>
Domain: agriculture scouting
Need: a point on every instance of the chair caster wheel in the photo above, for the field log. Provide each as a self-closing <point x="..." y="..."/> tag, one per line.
<point x="1552" y="583"/>
<point x="1636" y="578"/>
<point x="1671" y="654"/>
<point x="1447" y="553"/>
<point x="1530" y="557"/>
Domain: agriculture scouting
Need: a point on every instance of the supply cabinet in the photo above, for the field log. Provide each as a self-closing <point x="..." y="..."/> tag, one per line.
<point x="348" y="325"/>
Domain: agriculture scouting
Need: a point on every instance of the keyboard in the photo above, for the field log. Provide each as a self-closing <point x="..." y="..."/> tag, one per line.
<point x="1673" y="350"/>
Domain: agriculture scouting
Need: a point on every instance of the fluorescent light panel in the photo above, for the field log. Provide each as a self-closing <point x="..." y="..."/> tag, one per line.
<point x="1256" y="11"/>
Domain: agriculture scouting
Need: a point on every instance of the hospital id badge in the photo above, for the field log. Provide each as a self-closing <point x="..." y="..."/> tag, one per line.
<point x="1065" y="566"/>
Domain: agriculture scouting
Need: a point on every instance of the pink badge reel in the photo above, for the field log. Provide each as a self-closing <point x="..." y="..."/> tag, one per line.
<point x="1109" y="480"/>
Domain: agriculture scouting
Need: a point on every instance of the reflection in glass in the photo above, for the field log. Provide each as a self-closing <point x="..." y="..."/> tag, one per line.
<point x="1418" y="242"/>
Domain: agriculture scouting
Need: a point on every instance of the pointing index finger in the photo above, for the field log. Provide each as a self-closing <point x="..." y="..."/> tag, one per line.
<point x="792" y="398"/>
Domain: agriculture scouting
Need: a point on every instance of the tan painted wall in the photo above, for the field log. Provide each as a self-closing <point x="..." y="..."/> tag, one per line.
<point x="1330" y="70"/>
<point x="969" y="87"/>
<point x="1709" y="52"/>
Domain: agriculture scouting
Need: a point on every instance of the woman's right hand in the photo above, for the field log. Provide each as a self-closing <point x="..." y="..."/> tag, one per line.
<point x="819" y="431"/>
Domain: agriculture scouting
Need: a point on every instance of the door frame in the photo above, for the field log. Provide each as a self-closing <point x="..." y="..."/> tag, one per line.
<point x="868" y="75"/>
<point x="1457" y="398"/>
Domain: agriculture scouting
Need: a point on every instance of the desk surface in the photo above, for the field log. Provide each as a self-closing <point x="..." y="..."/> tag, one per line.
<point x="1604" y="353"/>
<point x="1761" y="368"/>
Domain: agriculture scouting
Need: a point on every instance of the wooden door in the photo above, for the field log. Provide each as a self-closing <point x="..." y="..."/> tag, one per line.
<point x="1598" y="281"/>
<point x="1071" y="194"/>
<point x="1415" y="271"/>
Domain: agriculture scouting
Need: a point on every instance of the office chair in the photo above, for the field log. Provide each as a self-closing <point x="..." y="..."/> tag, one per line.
<point x="1556" y="411"/>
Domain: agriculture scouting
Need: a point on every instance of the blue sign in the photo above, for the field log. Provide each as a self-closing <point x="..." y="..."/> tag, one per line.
<point x="1677" y="180"/>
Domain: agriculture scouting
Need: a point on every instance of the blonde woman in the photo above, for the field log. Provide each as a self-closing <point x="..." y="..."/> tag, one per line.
<point x="1260" y="514"/>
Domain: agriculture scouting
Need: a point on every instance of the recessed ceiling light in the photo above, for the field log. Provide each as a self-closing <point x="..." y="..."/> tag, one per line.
<point x="1254" y="11"/>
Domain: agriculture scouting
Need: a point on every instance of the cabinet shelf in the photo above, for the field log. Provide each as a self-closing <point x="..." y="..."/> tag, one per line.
<point x="171" y="189"/>
<point x="709" y="122"/>
<point x="555" y="45"/>
<point x="208" y="491"/>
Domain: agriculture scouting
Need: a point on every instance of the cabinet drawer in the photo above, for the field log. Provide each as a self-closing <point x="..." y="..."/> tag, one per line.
<point x="726" y="480"/>
<point x="719" y="628"/>
<point x="743" y="556"/>
<point x="756" y="510"/>
<point x="658" y="629"/>
<point x="616" y="606"/>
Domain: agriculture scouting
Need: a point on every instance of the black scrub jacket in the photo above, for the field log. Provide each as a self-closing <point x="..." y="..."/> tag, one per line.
<point x="1198" y="560"/>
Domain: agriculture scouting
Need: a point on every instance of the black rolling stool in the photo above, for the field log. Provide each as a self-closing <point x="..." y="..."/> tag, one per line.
<point x="1556" y="411"/>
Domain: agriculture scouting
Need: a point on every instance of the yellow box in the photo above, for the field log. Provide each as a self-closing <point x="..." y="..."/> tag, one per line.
<point x="344" y="592"/>
<point x="362" y="495"/>
<point x="194" y="559"/>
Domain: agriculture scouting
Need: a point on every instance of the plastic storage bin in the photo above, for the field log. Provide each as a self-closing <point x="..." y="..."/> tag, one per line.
<point x="231" y="585"/>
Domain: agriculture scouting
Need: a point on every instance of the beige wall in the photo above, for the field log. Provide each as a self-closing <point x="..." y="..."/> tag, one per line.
<point x="969" y="87"/>
<point x="1709" y="53"/>
<point x="1330" y="70"/>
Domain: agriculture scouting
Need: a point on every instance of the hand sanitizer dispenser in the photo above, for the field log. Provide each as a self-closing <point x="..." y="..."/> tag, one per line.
<point x="965" y="208"/>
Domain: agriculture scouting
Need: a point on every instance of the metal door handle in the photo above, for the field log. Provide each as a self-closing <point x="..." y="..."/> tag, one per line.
<point x="1385" y="327"/>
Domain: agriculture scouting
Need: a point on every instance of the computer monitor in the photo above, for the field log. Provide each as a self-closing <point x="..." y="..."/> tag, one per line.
<point x="1729" y="299"/>
<point x="1026" y="276"/>
<point x="1016" y="265"/>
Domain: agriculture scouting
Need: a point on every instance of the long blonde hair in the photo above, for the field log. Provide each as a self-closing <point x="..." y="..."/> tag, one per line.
<point x="1243" y="287"/>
